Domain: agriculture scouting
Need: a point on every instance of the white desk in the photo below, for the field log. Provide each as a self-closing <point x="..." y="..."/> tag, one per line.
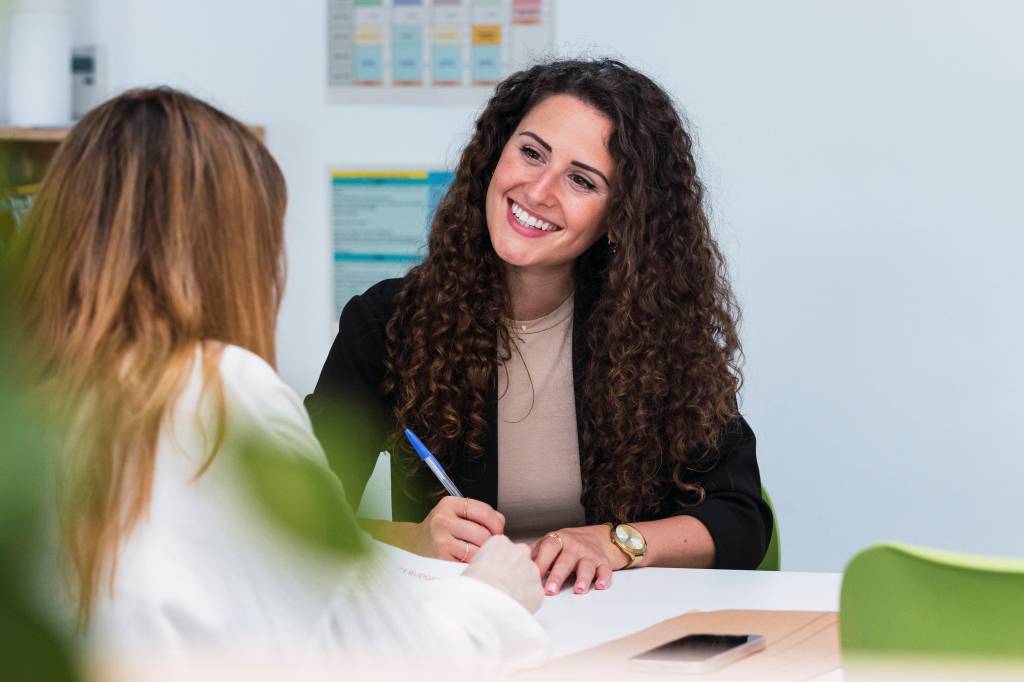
<point x="642" y="597"/>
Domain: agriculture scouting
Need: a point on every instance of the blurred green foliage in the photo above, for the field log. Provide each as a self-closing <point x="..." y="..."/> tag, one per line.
<point x="354" y="435"/>
<point x="302" y="497"/>
<point x="31" y="646"/>
<point x="307" y="499"/>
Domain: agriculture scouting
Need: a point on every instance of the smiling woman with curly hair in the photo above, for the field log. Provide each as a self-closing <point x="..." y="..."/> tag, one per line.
<point x="568" y="348"/>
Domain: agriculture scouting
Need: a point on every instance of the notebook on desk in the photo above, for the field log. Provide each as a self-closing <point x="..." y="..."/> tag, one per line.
<point x="801" y="645"/>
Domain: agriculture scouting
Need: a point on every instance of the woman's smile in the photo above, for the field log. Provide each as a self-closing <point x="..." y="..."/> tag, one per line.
<point x="528" y="223"/>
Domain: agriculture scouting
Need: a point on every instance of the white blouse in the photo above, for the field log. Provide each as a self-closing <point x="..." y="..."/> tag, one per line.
<point x="203" y="573"/>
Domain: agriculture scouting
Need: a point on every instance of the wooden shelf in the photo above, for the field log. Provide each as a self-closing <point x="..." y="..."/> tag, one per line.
<point x="25" y="152"/>
<point x="55" y="135"/>
<point x="51" y="135"/>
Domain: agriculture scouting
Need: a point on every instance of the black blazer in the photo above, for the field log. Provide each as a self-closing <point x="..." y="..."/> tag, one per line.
<point x="733" y="511"/>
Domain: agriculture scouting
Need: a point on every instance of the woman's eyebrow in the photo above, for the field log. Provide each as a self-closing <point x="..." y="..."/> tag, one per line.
<point x="535" y="136"/>
<point x="582" y="165"/>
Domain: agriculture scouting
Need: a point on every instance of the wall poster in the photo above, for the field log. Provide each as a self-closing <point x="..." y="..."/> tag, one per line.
<point x="379" y="225"/>
<point x="430" y="51"/>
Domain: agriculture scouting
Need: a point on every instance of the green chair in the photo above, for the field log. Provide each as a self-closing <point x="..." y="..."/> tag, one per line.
<point x="912" y="602"/>
<point x="773" y="556"/>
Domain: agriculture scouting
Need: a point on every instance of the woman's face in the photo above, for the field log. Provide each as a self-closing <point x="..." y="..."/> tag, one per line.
<point x="549" y="191"/>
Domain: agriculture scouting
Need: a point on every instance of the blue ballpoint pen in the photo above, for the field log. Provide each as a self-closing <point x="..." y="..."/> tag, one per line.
<point x="432" y="463"/>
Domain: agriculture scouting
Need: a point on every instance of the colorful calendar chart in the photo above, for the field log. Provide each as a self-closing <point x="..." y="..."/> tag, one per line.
<point x="380" y="221"/>
<point x="412" y="51"/>
<point x="369" y="40"/>
<point x="486" y="43"/>
<point x="408" y="24"/>
<point x="449" y="25"/>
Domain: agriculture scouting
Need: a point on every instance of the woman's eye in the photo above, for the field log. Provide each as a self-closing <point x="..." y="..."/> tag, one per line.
<point x="530" y="153"/>
<point x="582" y="182"/>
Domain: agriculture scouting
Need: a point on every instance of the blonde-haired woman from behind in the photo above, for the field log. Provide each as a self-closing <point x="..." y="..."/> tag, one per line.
<point x="147" y="283"/>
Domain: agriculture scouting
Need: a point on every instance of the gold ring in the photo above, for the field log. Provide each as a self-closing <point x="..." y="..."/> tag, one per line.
<point x="465" y="509"/>
<point x="465" y="554"/>
<point x="561" y="545"/>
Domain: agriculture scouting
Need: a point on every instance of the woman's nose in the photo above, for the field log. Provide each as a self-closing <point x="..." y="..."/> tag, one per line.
<point x="541" y="190"/>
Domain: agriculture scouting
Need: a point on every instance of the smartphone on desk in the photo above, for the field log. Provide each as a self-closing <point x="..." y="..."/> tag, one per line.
<point x="698" y="653"/>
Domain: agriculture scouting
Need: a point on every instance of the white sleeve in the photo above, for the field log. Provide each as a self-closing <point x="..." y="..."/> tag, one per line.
<point x="504" y="634"/>
<point x="450" y="625"/>
<point x="372" y="613"/>
<point x="256" y="395"/>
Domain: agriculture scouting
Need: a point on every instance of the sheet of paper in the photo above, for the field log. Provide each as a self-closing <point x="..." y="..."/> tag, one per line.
<point x="556" y="608"/>
<point x="416" y="567"/>
<point x="555" y="612"/>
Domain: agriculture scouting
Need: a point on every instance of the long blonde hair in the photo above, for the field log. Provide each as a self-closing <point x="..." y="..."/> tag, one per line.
<point x="157" y="229"/>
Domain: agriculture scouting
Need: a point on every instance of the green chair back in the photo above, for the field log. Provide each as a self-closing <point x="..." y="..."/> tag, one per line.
<point x="772" y="560"/>
<point x="898" y="600"/>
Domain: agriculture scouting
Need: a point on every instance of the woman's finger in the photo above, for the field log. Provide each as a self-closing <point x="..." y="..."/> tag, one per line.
<point x="604" y="577"/>
<point x="545" y="551"/>
<point x="481" y="513"/>
<point x="585" y="571"/>
<point x="470" y="531"/>
<point x="460" y="550"/>
<point x="564" y="565"/>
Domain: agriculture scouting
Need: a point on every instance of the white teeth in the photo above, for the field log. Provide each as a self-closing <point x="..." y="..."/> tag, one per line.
<point x="530" y="220"/>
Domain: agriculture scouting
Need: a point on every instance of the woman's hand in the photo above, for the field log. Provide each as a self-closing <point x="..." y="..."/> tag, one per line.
<point x="456" y="528"/>
<point x="507" y="567"/>
<point x="587" y="552"/>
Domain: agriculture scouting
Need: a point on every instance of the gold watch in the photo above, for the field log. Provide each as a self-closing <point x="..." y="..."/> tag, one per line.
<point x="630" y="541"/>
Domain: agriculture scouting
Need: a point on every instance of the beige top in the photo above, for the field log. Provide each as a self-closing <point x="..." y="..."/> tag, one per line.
<point x="539" y="484"/>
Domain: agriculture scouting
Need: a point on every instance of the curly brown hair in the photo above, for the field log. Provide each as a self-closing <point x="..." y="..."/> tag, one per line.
<point x="663" y="375"/>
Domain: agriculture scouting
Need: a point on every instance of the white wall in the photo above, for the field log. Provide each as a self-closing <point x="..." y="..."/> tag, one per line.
<point x="5" y="18"/>
<point x="865" y="165"/>
<point x="862" y="161"/>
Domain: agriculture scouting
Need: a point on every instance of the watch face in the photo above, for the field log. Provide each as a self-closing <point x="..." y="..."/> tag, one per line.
<point x="629" y="537"/>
